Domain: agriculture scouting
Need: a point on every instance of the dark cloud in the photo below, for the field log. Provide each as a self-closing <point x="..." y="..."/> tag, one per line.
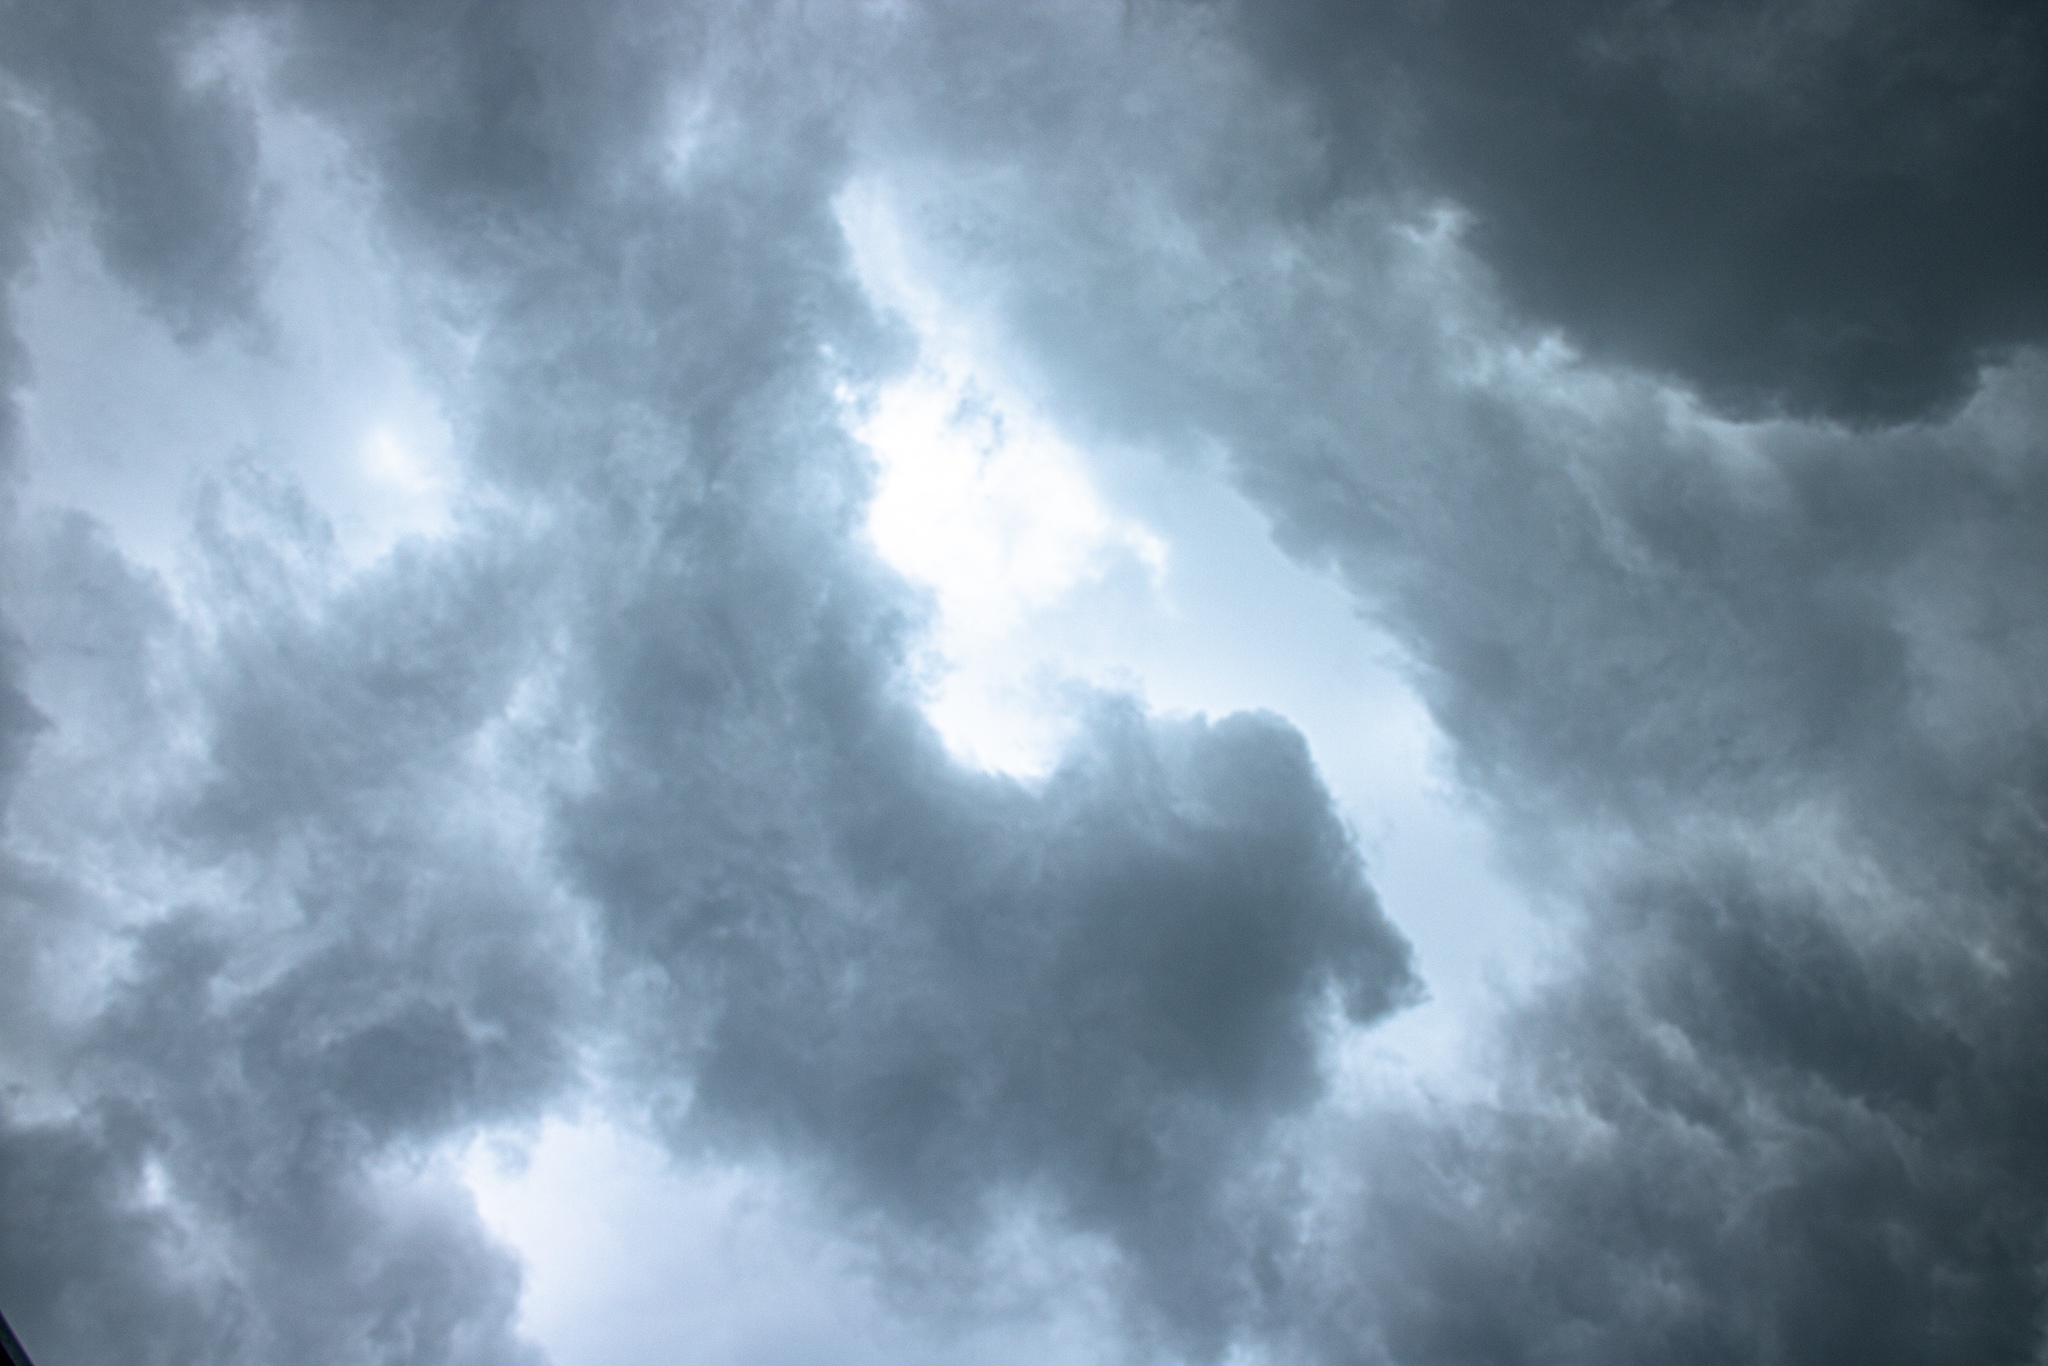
<point x="83" y="1260"/>
<point x="162" y="155"/>
<point x="1750" y="1131"/>
<point x="273" y="1110"/>
<point x="214" y="1203"/>
<point x="935" y="987"/>
<point x="1747" y="1118"/>
<point x="1819" y="209"/>
<point x="1825" y="1072"/>
<point x="236" y="1161"/>
<point x="486" y="125"/>
<point x="363" y="860"/>
<point x="935" y="990"/>
<point x="221" y="1152"/>
<point x="19" y="719"/>
<point x="224" y="1176"/>
<point x="1106" y="992"/>
<point x="1753" y="697"/>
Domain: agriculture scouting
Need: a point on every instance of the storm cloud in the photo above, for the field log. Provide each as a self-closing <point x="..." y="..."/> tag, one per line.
<point x="1825" y="210"/>
<point x="1663" y="383"/>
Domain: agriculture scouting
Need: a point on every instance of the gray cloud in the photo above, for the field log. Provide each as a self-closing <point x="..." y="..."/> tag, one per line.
<point x="206" y="1148"/>
<point x="209" y="1153"/>
<point x="163" y="158"/>
<point x="1753" y="697"/>
<point x="937" y="989"/>
<point x="1748" y="1131"/>
<point x="1827" y="209"/>
<point x="81" y="1261"/>
<point x="1105" y="993"/>
<point x="362" y="859"/>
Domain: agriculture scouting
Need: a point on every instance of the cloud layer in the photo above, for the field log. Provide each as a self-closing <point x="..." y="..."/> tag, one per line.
<point x="1666" y="383"/>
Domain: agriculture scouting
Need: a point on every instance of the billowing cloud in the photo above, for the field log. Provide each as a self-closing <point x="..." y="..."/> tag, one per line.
<point x="157" y="152"/>
<point x="1827" y="209"/>
<point x="1732" y="688"/>
<point x="1662" y="382"/>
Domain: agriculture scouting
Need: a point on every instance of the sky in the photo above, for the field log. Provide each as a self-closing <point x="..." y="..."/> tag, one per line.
<point x="1116" y="682"/>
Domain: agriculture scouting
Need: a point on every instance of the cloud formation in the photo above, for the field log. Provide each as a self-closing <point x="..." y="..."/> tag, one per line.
<point x="615" y="789"/>
<point x="1735" y="690"/>
<point x="1824" y="210"/>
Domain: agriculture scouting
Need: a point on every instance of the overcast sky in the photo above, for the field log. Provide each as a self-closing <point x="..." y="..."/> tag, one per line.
<point x="1116" y="682"/>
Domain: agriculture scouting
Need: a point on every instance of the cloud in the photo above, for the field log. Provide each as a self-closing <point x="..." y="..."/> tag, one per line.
<point x="1824" y="210"/>
<point x="1730" y="688"/>
<point x="162" y="156"/>
<point x="617" y="790"/>
<point x="648" y="695"/>
<point x="256" y="984"/>
<point x="1104" y="993"/>
<point x="1752" y="1128"/>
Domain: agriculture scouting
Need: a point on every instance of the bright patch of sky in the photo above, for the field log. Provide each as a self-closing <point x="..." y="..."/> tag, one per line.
<point x="1051" y="566"/>
<point x="630" y="1256"/>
